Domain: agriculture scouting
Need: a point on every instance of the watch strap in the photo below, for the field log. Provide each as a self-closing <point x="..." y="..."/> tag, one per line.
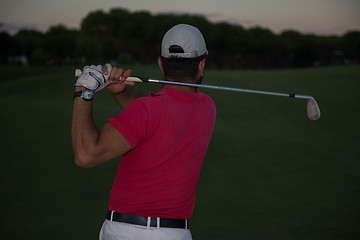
<point x="78" y="94"/>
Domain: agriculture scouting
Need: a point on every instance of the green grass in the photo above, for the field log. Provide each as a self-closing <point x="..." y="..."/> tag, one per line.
<point x="269" y="173"/>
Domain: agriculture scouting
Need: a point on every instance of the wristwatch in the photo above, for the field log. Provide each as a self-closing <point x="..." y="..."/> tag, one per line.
<point x="85" y="94"/>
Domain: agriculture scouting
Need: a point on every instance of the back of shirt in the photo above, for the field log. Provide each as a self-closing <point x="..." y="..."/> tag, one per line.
<point x="169" y="133"/>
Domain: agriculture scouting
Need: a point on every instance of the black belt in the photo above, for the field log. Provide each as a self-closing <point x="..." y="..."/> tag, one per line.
<point x="143" y="221"/>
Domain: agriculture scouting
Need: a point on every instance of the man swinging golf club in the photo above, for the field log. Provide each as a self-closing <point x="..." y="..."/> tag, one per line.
<point x="162" y="138"/>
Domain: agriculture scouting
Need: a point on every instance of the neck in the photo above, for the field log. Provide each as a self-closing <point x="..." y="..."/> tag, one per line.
<point x="181" y="88"/>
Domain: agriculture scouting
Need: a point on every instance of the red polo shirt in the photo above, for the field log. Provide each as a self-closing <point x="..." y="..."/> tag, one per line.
<point x="169" y="132"/>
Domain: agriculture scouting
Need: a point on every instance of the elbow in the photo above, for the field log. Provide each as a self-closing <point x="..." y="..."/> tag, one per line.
<point x="84" y="162"/>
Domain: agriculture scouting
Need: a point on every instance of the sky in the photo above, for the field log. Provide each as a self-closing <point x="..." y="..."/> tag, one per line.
<point x="321" y="17"/>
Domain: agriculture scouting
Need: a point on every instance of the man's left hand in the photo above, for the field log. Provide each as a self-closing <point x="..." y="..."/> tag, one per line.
<point x="93" y="77"/>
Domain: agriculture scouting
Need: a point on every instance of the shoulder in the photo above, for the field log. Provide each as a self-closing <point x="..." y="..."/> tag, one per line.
<point x="146" y="104"/>
<point x="208" y="99"/>
<point x="150" y="100"/>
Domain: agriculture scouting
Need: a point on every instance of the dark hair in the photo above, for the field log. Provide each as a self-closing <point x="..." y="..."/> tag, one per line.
<point x="181" y="69"/>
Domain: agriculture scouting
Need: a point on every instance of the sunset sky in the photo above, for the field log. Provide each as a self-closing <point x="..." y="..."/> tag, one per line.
<point x="323" y="17"/>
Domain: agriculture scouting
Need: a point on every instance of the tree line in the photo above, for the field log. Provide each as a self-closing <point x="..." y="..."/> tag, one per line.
<point x="135" y="37"/>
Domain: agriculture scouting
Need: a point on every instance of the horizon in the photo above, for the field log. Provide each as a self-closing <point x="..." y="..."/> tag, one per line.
<point x="323" y="17"/>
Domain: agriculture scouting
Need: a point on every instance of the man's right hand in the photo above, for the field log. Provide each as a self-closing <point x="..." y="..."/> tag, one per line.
<point x="117" y="80"/>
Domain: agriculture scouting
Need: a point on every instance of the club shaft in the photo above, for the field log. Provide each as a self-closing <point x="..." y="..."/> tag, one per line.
<point x="229" y="89"/>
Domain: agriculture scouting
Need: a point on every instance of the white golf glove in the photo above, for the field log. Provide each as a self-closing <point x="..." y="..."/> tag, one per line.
<point x="93" y="78"/>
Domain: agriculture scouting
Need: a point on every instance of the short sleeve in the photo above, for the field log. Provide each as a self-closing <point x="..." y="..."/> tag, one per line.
<point x="132" y="122"/>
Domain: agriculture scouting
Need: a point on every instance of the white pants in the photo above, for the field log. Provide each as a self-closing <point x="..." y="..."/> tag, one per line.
<point x="123" y="231"/>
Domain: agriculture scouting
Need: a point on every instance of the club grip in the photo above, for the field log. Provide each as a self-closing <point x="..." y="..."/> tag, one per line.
<point x="77" y="72"/>
<point x="137" y="79"/>
<point x="129" y="79"/>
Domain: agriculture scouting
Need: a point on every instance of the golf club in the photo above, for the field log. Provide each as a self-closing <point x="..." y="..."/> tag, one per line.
<point x="312" y="108"/>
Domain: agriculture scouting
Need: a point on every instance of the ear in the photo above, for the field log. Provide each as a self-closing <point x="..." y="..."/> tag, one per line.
<point x="201" y="67"/>
<point x="160" y="64"/>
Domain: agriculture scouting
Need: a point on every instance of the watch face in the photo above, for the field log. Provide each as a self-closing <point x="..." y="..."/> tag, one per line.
<point x="87" y="94"/>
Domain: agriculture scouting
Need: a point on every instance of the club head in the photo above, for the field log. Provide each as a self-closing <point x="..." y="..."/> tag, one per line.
<point x="312" y="109"/>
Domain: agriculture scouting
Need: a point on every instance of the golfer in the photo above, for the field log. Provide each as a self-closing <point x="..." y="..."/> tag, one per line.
<point x="162" y="138"/>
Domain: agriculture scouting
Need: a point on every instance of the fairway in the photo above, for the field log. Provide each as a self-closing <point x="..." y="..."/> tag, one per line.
<point x="269" y="173"/>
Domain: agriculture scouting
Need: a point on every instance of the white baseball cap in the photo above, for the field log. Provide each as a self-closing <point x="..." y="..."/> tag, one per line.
<point x="188" y="38"/>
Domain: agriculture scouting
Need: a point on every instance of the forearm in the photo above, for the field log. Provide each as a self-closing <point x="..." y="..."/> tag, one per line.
<point x="84" y="132"/>
<point x="127" y="96"/>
